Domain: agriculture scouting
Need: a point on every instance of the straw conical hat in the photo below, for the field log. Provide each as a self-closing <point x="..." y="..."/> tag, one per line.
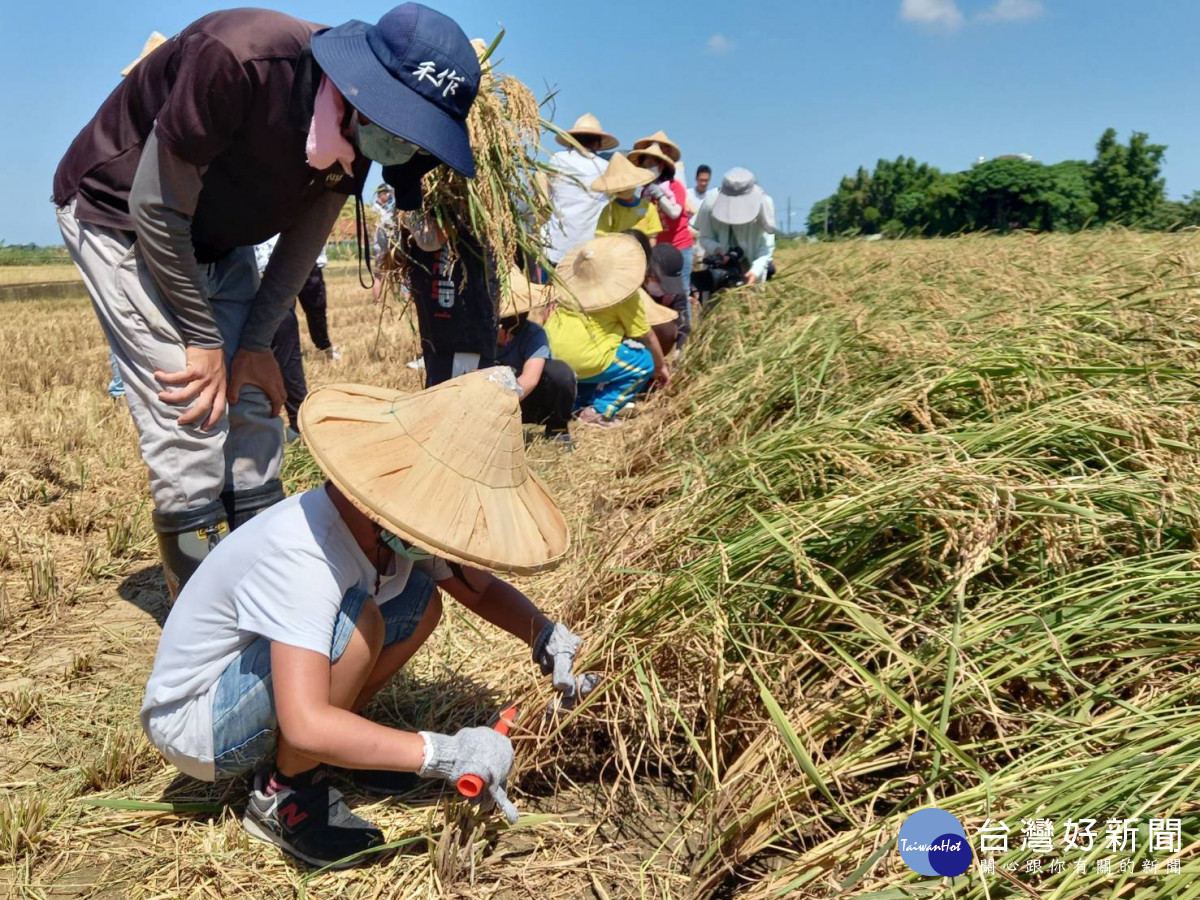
<point x="656" y="313"/>
<point x="589" y="125"/>
<point x="523" y="295"/>
<point x="654" y="151"/>
<point x="152" y="44"/>
<point x="443" y="468"/>
<point x="659" y="137"/>
<point x="603" y="271"/>
<point x="620" y="176"/>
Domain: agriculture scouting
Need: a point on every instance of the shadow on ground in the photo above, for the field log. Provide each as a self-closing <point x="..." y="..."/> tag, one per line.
<point x="147" y="590"/>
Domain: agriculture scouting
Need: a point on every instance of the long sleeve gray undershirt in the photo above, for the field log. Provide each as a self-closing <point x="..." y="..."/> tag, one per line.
<point x="292" y="260"/>
<point x="162" y="201"/>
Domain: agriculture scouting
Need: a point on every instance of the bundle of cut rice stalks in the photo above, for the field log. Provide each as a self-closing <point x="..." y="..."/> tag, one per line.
<point x="504" y="208"/>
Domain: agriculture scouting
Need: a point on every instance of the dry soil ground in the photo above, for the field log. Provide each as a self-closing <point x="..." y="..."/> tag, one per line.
<point x="81" y="599"/>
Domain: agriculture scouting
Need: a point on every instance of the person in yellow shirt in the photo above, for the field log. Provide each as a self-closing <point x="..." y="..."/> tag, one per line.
<point x="600" y="329"/>
<point x="626" y="209"/>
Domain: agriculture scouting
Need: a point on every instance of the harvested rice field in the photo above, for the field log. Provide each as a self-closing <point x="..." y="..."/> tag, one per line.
<point x="914" y="525"/>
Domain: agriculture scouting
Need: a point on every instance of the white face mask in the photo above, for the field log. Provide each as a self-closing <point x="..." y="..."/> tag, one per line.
<point x="654" y="170"/>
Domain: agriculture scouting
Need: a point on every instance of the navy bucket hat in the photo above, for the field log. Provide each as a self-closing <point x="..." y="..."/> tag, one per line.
<point x="414" y="74"/>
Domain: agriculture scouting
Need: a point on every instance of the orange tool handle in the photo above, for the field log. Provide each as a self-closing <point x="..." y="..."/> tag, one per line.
<point x="472" y="785"/>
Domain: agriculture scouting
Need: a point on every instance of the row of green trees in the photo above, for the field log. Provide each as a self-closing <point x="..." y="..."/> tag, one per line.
<point x="31" y="255"/>
<point x="1122" y="185"/>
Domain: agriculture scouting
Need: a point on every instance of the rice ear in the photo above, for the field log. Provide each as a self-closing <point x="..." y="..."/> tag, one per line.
<point x="507" y="203"/>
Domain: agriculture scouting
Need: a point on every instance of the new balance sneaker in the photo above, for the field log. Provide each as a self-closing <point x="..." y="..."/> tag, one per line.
<point x="311" y="823"/>
<point x="332" y="354"/>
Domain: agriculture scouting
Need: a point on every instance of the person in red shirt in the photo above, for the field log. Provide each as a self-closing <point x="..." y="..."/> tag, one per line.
<point x="671" y="198"/>
<point x="247" y="123"/>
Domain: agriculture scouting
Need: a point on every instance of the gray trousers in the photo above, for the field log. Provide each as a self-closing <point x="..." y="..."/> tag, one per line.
<point x="189" y="468"/>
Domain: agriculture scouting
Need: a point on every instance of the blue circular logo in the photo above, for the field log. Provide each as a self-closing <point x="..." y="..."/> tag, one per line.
<point x="933" y="842"/>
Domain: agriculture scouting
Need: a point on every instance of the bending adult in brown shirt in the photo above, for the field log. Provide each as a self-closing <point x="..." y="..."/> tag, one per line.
<point x="246" y="124"/>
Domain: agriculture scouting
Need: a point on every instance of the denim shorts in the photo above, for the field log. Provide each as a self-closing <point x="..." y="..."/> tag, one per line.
<point x="243" y="705"/>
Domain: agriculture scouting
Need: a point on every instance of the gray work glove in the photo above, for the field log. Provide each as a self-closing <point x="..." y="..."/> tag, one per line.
<point x="655" y="190"/>
<point x="479" y="751"/>
<point x="554" y="651"/>
<point x="584" y="685"/>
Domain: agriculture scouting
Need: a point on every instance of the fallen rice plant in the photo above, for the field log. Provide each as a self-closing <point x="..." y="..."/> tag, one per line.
<point x="915" y="525"/>
<point x="936" y="547"/>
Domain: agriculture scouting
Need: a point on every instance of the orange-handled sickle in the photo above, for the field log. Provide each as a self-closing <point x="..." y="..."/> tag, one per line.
<point x="472" y="785"/>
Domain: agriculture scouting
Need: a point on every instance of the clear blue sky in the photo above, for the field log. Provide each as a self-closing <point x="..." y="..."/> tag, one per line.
<point x="799" y="91"/>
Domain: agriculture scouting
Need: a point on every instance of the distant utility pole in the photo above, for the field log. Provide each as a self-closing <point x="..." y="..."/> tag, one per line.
<point x="789" y="228"/>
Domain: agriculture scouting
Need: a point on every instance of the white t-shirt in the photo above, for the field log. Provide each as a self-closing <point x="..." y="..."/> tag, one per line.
<point x="263" y="251"/>
<point x="577" y="208"/>
<point x="696" y="201"/>
<point x="281" y="576"/>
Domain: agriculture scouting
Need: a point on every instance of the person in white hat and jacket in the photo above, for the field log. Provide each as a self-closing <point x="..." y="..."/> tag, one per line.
<point x="292" y="623"/>
<point x="577" y="207"/>
<point x="740" y="215"/>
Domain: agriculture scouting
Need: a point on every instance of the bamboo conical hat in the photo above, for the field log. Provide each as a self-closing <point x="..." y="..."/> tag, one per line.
<point x="523" y="295"/>
<point x="653" y="152"/>
<point x="152" y="44"/>
<point x="443" y="468"/>
<point x="603" y="271"/>
<point x="659" y="137"/>
<point x="588" y="125"/>
<point x="620" y="176"/>
<point x="656" y="313"/>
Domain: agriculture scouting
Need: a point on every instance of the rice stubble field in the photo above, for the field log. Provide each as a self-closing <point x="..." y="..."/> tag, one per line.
<point x="914" y="525"/>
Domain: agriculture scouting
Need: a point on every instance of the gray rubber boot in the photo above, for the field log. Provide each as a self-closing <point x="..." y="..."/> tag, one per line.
<point x="185" y="538"/>
<point x="242" y="506"/>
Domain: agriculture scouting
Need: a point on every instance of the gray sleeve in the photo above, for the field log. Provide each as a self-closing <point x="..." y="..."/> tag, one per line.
<point x="764" y="247"/>
<point x="707" y="230"/>
<point x="763" y="253"/>
<point x="162" y="201"/>
<point x="292" y="259"/>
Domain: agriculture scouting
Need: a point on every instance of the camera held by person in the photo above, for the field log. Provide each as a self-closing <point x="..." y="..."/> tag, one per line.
<point x="721" y="270"/>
